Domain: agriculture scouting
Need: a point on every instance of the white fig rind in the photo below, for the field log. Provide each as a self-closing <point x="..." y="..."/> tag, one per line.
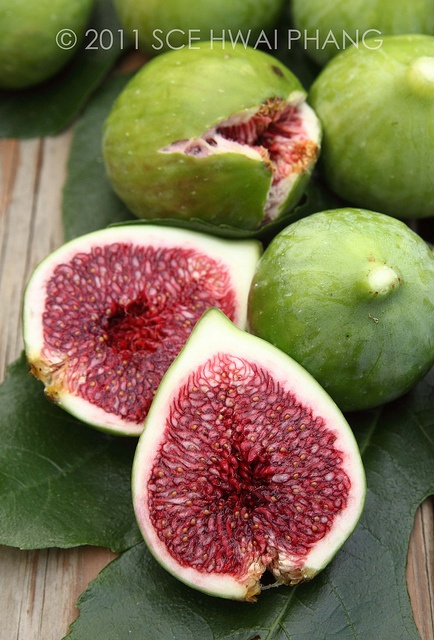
<point x="214" y="334"/>
<point x="240" y="257"/>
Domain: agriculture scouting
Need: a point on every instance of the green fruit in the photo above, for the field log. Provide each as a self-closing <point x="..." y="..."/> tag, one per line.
<point x="376" y="108"/>
<point x="222" y="134"/>
<point x="158" y="26"/>
<point x="349" y="294"/>
<point x="106" y="313"/>
<point x="245" y="465"/>
<point x="325" y="28"/>
<point x="33" y="38"/>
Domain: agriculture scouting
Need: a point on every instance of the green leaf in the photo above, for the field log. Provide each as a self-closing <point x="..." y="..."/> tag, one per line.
<point x="62" y="483"/>
<point x="361" y="595"/>
<point x="49" y="108"/>
<point x="89" y="202"/>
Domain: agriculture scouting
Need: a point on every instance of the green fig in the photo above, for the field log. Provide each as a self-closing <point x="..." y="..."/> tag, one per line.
<point x="38" y="38"/>
<point x="157" y="26"/>
<point x="349" y="294"/>
<point x="376" y="107"/>
<point x="219" y="133"/>
<point x="325" y="28"/>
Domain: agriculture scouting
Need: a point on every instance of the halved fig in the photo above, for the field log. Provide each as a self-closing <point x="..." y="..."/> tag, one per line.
<point x="245" y="465"/>
<point x="106" y="314"/>
<point x="217" y="133"/>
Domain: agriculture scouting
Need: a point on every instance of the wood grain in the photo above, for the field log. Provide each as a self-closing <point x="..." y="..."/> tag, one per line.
<point x="38" y="589"/>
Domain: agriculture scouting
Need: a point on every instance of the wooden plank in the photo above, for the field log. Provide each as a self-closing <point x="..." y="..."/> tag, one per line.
<point x="38" y="589"/>
<point x="420" y="569"/>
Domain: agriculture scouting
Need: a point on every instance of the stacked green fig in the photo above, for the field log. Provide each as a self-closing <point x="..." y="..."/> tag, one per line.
<point x="328" y="28"/>
<point x="376" y="109"/>
<point x="245" y="461"/>
<point x="38" y="39"/>
<point x="161" y="26"/>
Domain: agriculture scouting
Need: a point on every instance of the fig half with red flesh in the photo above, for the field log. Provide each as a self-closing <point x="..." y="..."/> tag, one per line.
<point x="106" y="314"/>
<point x="245" y="465"/>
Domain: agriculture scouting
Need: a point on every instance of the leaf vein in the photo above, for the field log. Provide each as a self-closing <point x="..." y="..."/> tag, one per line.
<point x="363" y="446"/>
<point x="343" y="607"/>
<point x="424" y="431"/>
<point x="278" y="622"/>
<point x="61" y="472"/>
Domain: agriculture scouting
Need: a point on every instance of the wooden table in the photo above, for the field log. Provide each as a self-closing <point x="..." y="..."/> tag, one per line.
<point x="38" y="589"/>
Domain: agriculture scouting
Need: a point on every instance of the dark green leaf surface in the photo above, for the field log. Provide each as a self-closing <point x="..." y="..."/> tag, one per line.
<point x="361" y="595"/>
<point x="89" y="203"/>
<point x="49" y="108"/>
<point x="62" y="483"/>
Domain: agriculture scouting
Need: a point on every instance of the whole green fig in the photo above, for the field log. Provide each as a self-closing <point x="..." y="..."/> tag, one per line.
<point x="157" y="26"/>
<point x="376" y="107"/>
<point x="38" y="38"/>
<point x="349" y="294"/>
<point x="325" y="28"/>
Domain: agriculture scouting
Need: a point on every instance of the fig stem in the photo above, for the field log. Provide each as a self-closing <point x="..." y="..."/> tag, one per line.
<point x="383" y="280"/>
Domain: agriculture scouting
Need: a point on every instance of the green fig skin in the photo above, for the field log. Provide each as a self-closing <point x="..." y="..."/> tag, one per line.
<point x="180" y="95"/>
<point x="349" y="294"/>
<point x="29" y="52"/>
<point x="160" y="26"/>
<point x="376" y="108"/>
<point x="329" y="27"/>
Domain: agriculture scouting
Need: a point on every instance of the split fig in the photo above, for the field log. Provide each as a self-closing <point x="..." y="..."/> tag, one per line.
<point x="219" y="133"/>
<point x="106" y="313"/>
<point x="245" y="465"/>
<point x="349" y="294"/>
<point x="376" y="107"/>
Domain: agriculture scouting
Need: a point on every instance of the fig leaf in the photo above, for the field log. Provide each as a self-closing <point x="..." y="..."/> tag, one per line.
<point x="53" y="468"/>
<point x="362" y="594"/>
<point x="89" y="203"/>
<point x="62" y="484"/>
<point x="47" y="109"/>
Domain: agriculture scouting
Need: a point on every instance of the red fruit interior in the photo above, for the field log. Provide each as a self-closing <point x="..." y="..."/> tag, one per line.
<point x="276" y="132"/>
<point x="245" y="472"/>
<point x="118" y="315"/>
